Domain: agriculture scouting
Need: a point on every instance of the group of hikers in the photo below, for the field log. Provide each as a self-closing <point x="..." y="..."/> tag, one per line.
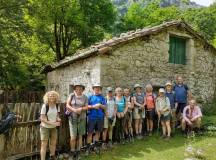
<point x="120" y="116"/>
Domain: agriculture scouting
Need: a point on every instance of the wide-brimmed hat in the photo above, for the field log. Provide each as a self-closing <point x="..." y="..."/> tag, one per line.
<point x="161" y="90"/>
<point x="137" y="86"/>
<point x="96" y="85"/>
<point x="168" y="84"/>
<point x="109" y="89"/>
<point x="78" y="84"/>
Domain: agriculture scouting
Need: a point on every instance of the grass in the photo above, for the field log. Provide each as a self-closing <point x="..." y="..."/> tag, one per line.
<point x="154" y="148"/>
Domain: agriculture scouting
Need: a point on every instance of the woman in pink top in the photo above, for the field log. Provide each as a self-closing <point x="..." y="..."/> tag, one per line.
<point x="150" y="98"/>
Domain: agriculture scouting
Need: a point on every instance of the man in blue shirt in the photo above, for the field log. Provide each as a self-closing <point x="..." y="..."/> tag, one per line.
<point x="182" y="94"/>
<point x="96" y="107"/>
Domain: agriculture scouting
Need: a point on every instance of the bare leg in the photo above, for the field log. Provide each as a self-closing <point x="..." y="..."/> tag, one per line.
<point x="168" y="128"/>
<point x="43" y="149"/>
<point x="73" y="143"/>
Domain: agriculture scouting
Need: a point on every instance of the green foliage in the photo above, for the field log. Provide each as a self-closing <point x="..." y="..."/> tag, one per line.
<point x="150" y="15"/>
<point x="209" y="109"/>
<point x="61" y="23"/>
<point x="138" y="16"/>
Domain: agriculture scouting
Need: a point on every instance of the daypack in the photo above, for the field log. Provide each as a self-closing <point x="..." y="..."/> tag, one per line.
<point x="67" y="112"/>
<point x="47" y="110"/>
<point x="7" y="122"/>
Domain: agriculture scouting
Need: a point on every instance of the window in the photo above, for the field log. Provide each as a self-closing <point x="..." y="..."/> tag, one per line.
<point x="177" y="50"/>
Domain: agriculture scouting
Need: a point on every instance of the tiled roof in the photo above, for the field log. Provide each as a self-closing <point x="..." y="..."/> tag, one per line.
<point x="104" y="46"/>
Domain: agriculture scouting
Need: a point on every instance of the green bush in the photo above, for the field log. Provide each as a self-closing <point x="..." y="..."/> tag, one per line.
<point x="209" y="109"/>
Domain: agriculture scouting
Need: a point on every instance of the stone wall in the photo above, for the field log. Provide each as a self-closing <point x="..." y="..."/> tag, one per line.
<point x="146" y="61"/>
<point x="85" y="71"/>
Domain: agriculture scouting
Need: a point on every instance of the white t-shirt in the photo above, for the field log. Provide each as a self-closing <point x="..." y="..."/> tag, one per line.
<point x="51" y="114"/>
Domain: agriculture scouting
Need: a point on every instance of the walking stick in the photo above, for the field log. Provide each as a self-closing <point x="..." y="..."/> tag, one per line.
<point x="77" y="139"/>
<point x="158" y="127"/>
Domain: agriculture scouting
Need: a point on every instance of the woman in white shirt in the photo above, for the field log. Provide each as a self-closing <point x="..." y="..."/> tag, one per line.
<point x="49" y="121"/>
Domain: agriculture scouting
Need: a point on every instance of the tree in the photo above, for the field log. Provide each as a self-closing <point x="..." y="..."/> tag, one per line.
<point x="66" y="25"/>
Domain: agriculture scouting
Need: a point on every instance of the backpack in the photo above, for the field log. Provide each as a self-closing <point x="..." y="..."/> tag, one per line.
<point x="47" y="109"/>
<point x="38" y="114"/>
<point x="67" y="112"/>
<point x="7" y="122"/>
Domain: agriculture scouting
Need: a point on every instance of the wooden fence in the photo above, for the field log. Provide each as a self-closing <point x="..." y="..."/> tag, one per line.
<point x="24" y="137"/>
<point x="21" y="96"/>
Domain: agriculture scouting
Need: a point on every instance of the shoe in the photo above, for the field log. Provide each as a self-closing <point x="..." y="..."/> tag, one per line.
<point x="110" y="144"/>
<point x="87" y="151"/>
<point x="150" y="133"/>
<point x="77" y="155"/>
<point x="163" y="136"/>
<point x="52" y="158"/>
<point x="104" y="146"/>
<point x="167" y="138"/>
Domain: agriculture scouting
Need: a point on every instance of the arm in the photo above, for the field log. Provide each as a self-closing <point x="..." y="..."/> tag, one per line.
<point x="157" y="108"/>
<point x="43" y="118"/>
<point x="167" y="108"/>
<point x="185" y="116"/>
<point x="134" y="99"/>
<point x="199" y="114"/>
<point x="68" y="105"/>
<point x="126" y="108"/>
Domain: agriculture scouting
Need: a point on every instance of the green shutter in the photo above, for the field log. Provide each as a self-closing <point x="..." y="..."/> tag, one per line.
<point x="177" y="51"/>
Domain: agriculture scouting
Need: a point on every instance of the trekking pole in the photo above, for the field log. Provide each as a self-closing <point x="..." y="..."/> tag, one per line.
<point x="77" y="139"/>
<point x="158" y="127"/>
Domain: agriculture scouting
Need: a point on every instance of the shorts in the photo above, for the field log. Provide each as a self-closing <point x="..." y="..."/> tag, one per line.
<point x="180" y="107"/>
<point x="77" y="127"/>
<point x="165" y="118"/>
<point x="129" y="117"/>
<point x="150" y="114"/>
<point x="137" y="113"/>
<point x="95" y="125"/>
<point x="107" y="122"/>
<point x="47" y="133"/>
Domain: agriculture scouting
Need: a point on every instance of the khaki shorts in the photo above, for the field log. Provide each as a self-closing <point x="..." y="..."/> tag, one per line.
<point x="136" y="113"/>
<point x="106" y="122"/>
<point x="77" y="126"/>
<point x="46" y="133"/>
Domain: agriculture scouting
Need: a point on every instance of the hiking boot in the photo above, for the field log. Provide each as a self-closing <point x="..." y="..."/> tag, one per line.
<point x="163" y="136"/>
<point x="72" y="155"/>
<point x="104" y="146"/>
<point x="109" y="144"/>
<point x="139" y="137"/>
<point x="150" y="133"/>
<point x="77" y="155"/>
<point x="87" y="151"/>
<point x="167" y="138"/>
<point x="52" y="158"/>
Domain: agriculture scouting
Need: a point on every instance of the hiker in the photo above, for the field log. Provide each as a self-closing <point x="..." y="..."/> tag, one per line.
<point x="150" y="98"/>
<point x="191" y="116"/>
<point x="96" y="107"/>
<point x="139" y="110"/>
<point x="171" y="95"/>
<point x="77" y="105"/>
<point x="49" y="117"/>
<point x="163" y="110"/>
<point x="121" y="104"/>
<point x="109" y="119"/>
<point x="129" y="115"/>
<point x="182" y="93"/>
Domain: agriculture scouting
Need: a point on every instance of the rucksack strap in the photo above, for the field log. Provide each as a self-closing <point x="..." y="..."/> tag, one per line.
<point x="47" y="109"/>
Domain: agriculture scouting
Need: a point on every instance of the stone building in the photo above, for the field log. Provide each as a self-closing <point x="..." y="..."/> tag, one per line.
<point x="149" y="55"/>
